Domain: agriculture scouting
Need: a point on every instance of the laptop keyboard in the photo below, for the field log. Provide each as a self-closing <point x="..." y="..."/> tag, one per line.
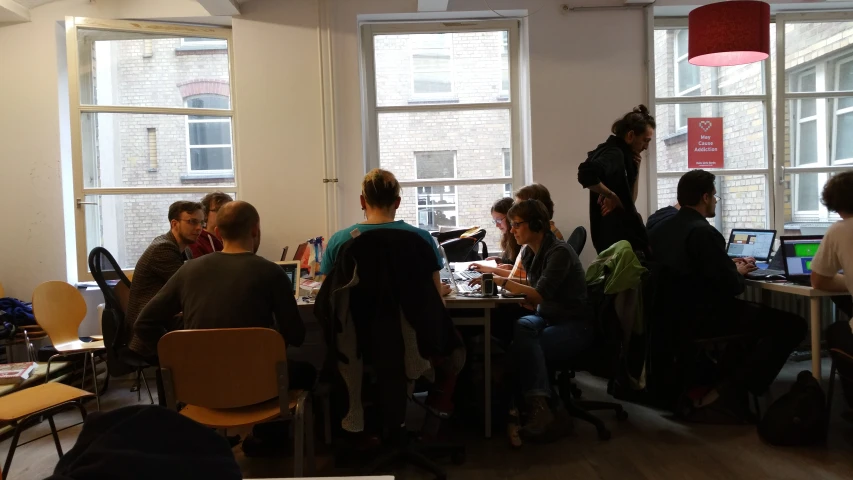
<point x="465" y="288"/>
<point x="764" y="273"/>
<point x="467" y="275"/>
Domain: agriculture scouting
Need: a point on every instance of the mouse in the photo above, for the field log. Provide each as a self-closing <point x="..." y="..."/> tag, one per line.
<point x="775" y="277"/>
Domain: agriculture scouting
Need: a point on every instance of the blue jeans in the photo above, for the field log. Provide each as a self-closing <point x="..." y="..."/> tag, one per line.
<point x="535" y="342"/>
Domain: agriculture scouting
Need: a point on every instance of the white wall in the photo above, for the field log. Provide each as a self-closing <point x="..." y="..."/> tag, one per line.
<point x="586" y="69"/>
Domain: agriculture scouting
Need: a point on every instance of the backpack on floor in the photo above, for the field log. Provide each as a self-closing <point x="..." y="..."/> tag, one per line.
<point x="797" y="418"/>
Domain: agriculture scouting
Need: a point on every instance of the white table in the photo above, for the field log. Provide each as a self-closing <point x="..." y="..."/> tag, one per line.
<point x="814" y="297"/>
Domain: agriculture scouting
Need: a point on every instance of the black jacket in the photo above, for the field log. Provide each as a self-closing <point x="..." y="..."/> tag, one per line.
<point x="395" y="274"/>
<point x="698" y="273"/>
<point x="612" y="163"/>
<point x="659" y="217"/>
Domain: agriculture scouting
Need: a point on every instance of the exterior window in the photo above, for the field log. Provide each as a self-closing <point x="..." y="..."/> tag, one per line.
<point x="505" y="64"/>
<point x="436" y="204"/>
<point x="432" y="64"/>
<point x="209" y="138"/>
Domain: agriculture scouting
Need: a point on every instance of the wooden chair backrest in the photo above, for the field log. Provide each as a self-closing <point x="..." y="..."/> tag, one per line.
<point x="223" y="368"/>
<point x="122" y="292"/>
<point x="59" y="309"/>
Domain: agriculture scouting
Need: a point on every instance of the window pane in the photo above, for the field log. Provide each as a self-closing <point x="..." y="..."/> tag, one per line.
<point x="463" y="67"/>
<point x="737" y="80"/>
<point x="807" y="191"/>
<point x="215" y="158"/>
<point x="472" y="208"/>
<point x="820" y="47"/>
<point x="126" y="224"/>
<point x="844" y="138"/>
<point x="744" y="133"/>
<point x="209" y="101"/>
<point x="807" y="143"/>
<point x="808" y="107"/>
<point x="137" y="69"/>
<point x="132" y="150"/>
<point x="478" y="137"/>
<point x="210" y="132"/>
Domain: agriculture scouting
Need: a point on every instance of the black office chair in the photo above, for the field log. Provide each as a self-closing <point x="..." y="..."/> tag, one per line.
<point x="600" y="358"/>
<point x="577" y="239"/>
<point x="115" y="286"/>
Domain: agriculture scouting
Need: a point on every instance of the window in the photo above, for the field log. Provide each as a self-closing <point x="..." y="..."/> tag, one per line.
<point x="808" y="97"/>
<point x="504" y="91"/>
<point x="686" y="80"/>
<point x="818" y="117"/>
<point x="453" y="158"/>
<point x="145" y="131"/>
<point x="432" y="64"/>
<point x="208" y="138"/>
<point x="738" y="96"/>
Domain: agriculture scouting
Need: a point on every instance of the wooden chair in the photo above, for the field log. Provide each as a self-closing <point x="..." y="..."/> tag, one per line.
<point x="246" y="386"/>
<point x="29" y="405"/>
<point x="59" y="309"/>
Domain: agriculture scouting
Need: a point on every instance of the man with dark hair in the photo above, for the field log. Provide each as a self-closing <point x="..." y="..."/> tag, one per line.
<point x="699" y="283"/>
<point x="835" y="255"/>
<point x="556" y="323"/>
<point x="234" y="288"/>
<point x="610" y="173"/>
<point x="208" y="241"/>
<point x="162" y="259"/>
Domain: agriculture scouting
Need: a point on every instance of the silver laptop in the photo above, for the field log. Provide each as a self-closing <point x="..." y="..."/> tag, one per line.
<point x="458" y="287"/>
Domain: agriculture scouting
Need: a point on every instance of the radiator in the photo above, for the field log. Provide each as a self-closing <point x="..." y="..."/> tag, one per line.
<point x="794" y="304"/>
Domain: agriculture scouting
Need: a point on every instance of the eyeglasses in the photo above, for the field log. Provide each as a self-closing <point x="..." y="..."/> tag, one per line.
<point x="499" y="221"/>
<point x="717" y="197"/>
<point x="192" y="221"/>
<point x="516" y="224"/>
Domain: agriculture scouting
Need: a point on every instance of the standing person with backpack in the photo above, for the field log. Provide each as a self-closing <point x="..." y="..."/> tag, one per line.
<point x="611" y="173"/>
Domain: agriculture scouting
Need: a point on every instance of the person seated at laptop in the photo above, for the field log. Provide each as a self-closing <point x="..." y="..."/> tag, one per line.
<point x="380" y="199"/>
<point x="537" y="191"/>
<point x="557" y="323"/>
<point x="509" y="247"/>
<point x="234" y="288"/>
<point x="835" y="254"/>
<point x="162" y="259"/>
<point x="701" y="284"/>
<point x="207" y="241"/>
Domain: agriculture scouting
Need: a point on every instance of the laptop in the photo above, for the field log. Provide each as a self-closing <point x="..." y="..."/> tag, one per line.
<point x="751" y="243"/>
<point x="798" y="254"/>
<point x="291" y="269"/>
<point x="447" y="274"/>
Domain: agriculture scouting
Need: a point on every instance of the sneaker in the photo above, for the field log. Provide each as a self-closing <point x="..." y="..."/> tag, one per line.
<point x="539" y="417"/>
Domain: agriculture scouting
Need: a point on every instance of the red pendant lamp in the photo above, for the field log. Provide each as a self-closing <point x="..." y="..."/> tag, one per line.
<point x="729" y="33"/>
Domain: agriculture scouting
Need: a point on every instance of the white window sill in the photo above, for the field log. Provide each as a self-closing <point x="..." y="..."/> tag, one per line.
<point x="190" y="49"/>
<point x="207" y="176"/>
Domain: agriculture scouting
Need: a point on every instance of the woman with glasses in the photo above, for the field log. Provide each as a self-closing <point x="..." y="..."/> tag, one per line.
<point x="509" y="247"/>
<point x="555" y="324"/>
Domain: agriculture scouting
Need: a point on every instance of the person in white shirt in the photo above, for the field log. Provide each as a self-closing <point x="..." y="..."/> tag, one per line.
<point x="835" y="255"/>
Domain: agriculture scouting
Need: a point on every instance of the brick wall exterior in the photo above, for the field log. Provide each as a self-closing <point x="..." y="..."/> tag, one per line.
<point x="478" y="137"/>
<point x="745" y="199"/>
<point x="157" y="72"/>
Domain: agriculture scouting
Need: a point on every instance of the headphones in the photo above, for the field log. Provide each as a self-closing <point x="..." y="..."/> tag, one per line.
<point x="535" y="225"/>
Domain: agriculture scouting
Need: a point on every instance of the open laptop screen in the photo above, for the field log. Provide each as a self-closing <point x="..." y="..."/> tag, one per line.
<point x="799" y="253"/>
<point x="751" y="243"/>
<point x="291" y="269"/>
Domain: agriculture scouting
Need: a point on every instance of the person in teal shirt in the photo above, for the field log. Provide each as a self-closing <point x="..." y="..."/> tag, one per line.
<point x="380" y="198"/>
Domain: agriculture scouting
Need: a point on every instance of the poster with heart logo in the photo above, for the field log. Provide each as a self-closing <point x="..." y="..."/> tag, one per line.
<point x="705" y="142"/>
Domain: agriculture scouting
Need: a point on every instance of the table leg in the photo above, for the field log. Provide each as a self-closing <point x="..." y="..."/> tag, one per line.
<point x="815" y="333"/>
<point x="487" y="366"/>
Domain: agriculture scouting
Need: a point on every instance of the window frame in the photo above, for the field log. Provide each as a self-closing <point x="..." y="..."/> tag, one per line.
<point x="78" y="109"/>
<point x="679" y="23"/>
<point x="191" y="172"/>
<point x="207" y="43"/>
<point x="677" y="59"/>
<point x="784" y="98"/>
<point x="371" y="110"/>
<point x="836" y="112"/>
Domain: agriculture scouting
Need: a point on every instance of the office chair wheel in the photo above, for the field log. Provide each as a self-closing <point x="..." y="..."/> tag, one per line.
<point x="621" y="415"/>
<point x="458" y="458"/>
<point x="604" y="434"/>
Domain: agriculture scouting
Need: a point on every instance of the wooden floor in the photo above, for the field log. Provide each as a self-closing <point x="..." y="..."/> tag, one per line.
<point x="647" y="446"/>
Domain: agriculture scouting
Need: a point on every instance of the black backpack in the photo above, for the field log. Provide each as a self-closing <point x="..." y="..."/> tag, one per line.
<point x="798" y="417"/>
